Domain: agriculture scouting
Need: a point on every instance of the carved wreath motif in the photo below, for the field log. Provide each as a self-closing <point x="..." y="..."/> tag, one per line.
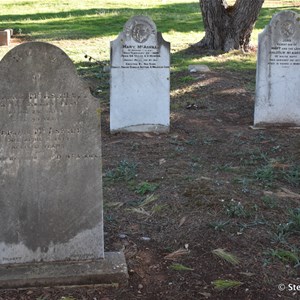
<point x="141" y="32"/>
<point x="287" y="29"/>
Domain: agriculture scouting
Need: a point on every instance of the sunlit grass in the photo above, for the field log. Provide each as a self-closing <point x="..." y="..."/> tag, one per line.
<point x="87" y="27"/>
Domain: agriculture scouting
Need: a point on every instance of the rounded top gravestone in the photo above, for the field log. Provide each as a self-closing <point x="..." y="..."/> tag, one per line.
<point x="277" y="72"/>
<point x="140" y="79"/>
<point x="50" y="158"/>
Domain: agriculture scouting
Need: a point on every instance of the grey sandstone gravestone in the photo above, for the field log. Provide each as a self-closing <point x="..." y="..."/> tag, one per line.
<point x="278" y="72"/>
<point x="140" y="79"/>
<point x="51" y="227"/>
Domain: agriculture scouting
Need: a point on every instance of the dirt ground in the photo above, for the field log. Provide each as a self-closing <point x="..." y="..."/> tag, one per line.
<point x="212" y="182"/>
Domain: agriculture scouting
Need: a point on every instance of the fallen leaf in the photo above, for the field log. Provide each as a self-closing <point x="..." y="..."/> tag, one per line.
<point x="162" y="161"/>
<point x="114" y="204"/>
<point x="284" y="193"/>
<point x="147" y="135"/>
<point x="247" y="274"/>
<point x="130" y="250"/>
<point x="205" y="178"/>
<point x="206" y="295"/>
<point x="278" y="165"/>
<point x="290" y="193"/>
<point x="140" y="210"/>
<point x="176" y="254"/>
<point x="182" y="221"/>
<point x="180" y="267"/>
<point x="257" y="128"/>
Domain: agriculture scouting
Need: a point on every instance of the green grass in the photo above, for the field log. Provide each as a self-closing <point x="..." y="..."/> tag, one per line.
<point x="270" y="202"/>
<point x="87" y="27"/>
<point x="145" y="187"/>
<point x="227" y="256"/>
<point x="235" y="209"/>
<point x="125" y="171"/>
<point x="223" y="284"/>
<point x="284" y="256"/>
<point x="219" y="225"/>
<point x="180" y="267"/>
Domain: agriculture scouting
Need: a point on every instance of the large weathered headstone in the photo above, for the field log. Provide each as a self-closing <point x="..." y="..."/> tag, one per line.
<point x="278" y="72"/>
<point x="50" y="177"/>
<point x="140" y="79"/>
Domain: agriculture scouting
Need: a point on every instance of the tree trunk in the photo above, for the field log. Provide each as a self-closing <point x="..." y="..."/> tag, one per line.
<point x="228" y="27"/>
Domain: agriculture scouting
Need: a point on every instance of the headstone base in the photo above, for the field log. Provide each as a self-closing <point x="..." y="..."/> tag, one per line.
<point x="110" y="270"/>
<point x="266" y="125"/>
<point x="143" y="128"/>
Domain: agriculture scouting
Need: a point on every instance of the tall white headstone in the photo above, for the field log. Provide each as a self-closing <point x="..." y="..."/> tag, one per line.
<point x="140" y="79"/>
<point x="278" y="72"/>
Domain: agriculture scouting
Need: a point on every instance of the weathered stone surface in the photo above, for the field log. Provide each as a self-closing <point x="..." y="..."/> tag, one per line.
<point x="5" y="37"/>
<point x="278" y="72"/>
<point x="110" y="270"/>
<point x="198" y="68"/>
<point x="50" y="160"/>
<point x="140" y="78"/>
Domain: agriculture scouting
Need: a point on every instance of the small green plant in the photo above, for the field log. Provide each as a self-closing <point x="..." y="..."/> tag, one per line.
<point x="219" y="225"/>
<point x="292" y="175"/>
<point x="270" y="202"/>
<point x="222" y="284"/>
<point x="236" y="209"/>
<point x="282" y="232"/>
<point x="180" y="267"/>
<point x="283" y="255"/>
<point x="187" y="79"/>
<point x="124" y="171"/>
<point x="226" y="168"/>
<point x="279" y="238"/>
<point x="254" y="157"/>
<point x="146" y="187"/>
<point x="159" y="208"/>
<point x="294" y="220"/>
<point x="256" y="222"/>
<point x="265" y="174"/>
<point x="245" y="182"/>
<point x="209" y="140"/>
<point x="227" y="256"/>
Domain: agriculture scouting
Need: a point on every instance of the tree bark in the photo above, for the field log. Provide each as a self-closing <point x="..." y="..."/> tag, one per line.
<point x="228" y="27"/>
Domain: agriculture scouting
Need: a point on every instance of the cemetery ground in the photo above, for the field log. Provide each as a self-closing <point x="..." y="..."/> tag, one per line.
<point x="210" y="210"/>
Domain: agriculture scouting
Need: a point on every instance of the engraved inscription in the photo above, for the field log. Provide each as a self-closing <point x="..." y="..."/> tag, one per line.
<point x="285" y="54"/>
<point x="11" y="259"/>
<point x="50" y="105"/>
<point x="140" y="57"/>
<point x="37" y="139"/>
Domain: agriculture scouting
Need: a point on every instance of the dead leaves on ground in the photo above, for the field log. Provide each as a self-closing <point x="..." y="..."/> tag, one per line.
<point x="178" y="253"/>
<point x="283" y="193"/>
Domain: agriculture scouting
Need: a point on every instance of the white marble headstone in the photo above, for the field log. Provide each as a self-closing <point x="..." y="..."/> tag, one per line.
<point x="140" y="79"/>
<point x="278" y="72"/>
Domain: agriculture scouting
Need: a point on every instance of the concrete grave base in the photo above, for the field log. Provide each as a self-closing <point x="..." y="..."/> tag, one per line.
<point x="110" y="270"/>
<point x="143" y="128"/>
